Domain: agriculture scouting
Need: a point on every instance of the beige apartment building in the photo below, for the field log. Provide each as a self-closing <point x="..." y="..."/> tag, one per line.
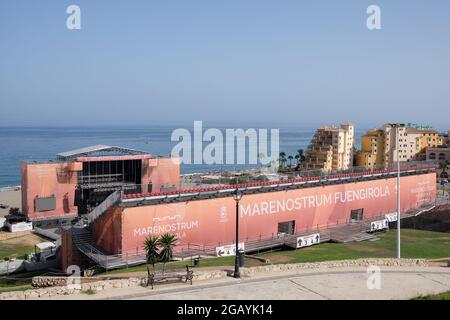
<point x="379" y="146"/>
<point x="330" y="149"/>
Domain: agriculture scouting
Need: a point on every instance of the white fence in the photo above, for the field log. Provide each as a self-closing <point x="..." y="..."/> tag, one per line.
<point x="7" y="267"/>
<point x="19" y="227"/>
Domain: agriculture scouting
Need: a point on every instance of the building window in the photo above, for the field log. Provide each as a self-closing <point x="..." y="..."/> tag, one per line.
<point x="432" y="156"/>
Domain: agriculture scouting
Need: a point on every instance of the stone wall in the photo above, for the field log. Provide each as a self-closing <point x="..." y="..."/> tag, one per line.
<point x="95" y="286"/>
<point x="334" y="264"/>
<point x="44" y="282"/>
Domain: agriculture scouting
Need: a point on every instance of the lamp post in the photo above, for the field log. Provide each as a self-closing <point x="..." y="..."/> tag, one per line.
<point x="396" y="126"/>
<point x="398" y="202"/>
<point x="443" y="183"/>
<point x="237" y="197"/>
<point x="397" y="145"/>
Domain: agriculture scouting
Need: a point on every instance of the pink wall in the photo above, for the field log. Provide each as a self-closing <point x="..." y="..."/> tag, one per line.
<point x="213" y="220"/>
<point x="107" y="230"/>
<point x="44" y="180"/>
<point x="161" y="172"/>
<point x="59" y="179"/>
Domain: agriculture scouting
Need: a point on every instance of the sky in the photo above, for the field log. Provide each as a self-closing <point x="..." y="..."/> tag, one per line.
<point x="224" y="61"/>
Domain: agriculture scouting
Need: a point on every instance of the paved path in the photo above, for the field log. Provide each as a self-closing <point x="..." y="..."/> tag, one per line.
<point x="340" y="283"/>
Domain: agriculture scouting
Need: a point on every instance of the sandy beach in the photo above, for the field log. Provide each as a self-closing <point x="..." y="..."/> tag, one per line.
<point x="11" y="198"/>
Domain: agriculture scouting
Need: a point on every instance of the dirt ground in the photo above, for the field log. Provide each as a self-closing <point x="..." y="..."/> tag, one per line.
<point x="20" y="238"/>
<point x="13" y="245"/>
<point x="11" y="198"/>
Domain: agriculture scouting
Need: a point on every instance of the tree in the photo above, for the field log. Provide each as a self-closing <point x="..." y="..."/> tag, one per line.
<point x="167" y="242"/>
<point x="290" y="160"/>
<point x="14" y="211"/>
<point x="443" y="166"/>
<point x="151" y="250"/>
<point x="301" y="156"/>
<point x="282" y="158"/>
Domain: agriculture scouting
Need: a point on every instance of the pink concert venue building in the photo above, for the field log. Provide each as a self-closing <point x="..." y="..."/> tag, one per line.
<point x="115" y="197"/>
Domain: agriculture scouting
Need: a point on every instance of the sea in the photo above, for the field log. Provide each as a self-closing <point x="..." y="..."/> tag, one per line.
<point x="44" y="143"/>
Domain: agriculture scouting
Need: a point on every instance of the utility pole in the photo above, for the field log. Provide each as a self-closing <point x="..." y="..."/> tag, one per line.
<point x="398" y="192"/>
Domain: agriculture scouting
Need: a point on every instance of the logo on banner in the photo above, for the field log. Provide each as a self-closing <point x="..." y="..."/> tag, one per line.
<point x="175" y="217"/>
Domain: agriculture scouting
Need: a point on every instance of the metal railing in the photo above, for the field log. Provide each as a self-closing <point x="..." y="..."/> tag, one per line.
<point x="112" y="199"/>
<point x="328" y="231"/>
<point x="265" y="186"/>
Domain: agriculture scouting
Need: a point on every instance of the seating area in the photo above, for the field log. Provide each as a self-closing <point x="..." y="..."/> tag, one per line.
<point x="275" y="183"/>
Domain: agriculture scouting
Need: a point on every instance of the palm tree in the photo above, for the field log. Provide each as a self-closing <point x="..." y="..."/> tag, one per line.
<point x="301" y="156"/>
<point x="443" y="166"/>
<point x="282" y="158"/>
<point x="290" y="160"/>
<point x="151" y="252"/>
<point x="167" y="242"/>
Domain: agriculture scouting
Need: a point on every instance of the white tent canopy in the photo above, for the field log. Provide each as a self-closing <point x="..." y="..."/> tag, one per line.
<point x="45" y="245"/>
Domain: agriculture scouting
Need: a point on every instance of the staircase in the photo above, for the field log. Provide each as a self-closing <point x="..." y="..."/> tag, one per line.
<point x="353" y="232"/>
<point x="83" y="241"/>
<point x="88" y="219"/>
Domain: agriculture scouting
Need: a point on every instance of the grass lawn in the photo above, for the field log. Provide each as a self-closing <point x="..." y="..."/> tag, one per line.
<point x="440" y="296"/>
<point x="415" y="244"/>
<point x="18" y="247"/>
<point x="8" y="250"/>
<point x="18" y="282"/>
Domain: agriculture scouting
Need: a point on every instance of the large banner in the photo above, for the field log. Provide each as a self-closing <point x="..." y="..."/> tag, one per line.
<point x="212" y="221"/>
<point x="229" y="250"/>
<point x="379" y="225"/>
<point x="307" y="241"/>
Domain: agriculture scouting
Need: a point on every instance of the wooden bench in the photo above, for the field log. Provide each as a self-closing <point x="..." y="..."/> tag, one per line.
<point x="154" y="278"/>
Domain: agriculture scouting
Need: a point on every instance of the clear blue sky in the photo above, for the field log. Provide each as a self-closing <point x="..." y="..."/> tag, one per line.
<point x="160" y="62"/>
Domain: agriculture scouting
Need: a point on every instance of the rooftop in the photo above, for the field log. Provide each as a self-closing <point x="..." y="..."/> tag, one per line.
<point x="99" y="150"/>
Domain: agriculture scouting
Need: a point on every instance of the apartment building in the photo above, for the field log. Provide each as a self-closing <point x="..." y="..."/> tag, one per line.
<point x="331" y="149"/>
<point x="379" y="146"/>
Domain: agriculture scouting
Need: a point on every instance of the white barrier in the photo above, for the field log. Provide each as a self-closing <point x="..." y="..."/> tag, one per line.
<point x="7" y="267"/>
<point x="308" y="240"/>
<point x="2" y="222"/>
<point x="379" y="225"/>
<point x="19" y="227"/>
<point x="391" y="217"/>
<point x="229" y="250"/>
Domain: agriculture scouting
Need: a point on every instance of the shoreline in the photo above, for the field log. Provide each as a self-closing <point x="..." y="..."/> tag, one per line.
<point x="11" y="188"/>
<point x="12" y="197"/>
